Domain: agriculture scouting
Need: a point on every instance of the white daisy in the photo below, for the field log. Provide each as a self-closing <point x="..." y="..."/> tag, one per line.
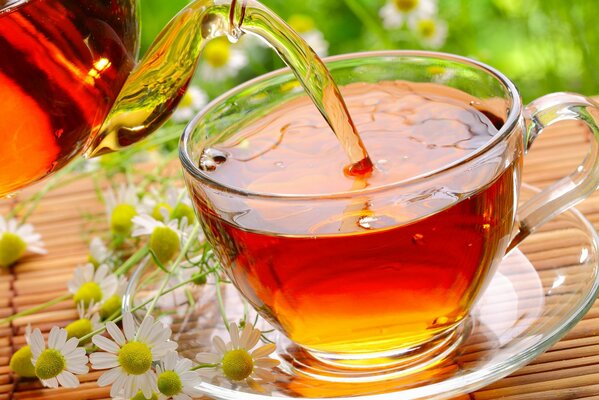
<point x="237" y="362"/>
<point x="306" y="28"/>
<point x="129" y="356"/>
<point x="175" y="379"/>
<point x="165" y="238"/>
<point x="60" y="361"/>
<point x="221" y="60"/>
<point x="192" y="102"/>
<point x="98" y="252"/>
<point x="395" y="12"/>
<point x="16" y="240"/>
<point x="121" y="207"/>
<point x="89" y="285"/>
<point x="431" y="31"/>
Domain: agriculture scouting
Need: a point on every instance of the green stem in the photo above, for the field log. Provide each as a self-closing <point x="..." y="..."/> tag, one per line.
<point x="200" y="366"/>
<point x="371" y="23"/>
<point x="35" y="309"/>
<point x="221" y="304"/>
<point x="133" y="260"/>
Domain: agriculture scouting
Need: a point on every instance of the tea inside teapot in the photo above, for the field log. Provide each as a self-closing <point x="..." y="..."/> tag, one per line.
<point x="68" y="71"/>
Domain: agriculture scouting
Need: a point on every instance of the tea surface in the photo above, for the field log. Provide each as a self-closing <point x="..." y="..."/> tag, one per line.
<point x="349" y="275"/>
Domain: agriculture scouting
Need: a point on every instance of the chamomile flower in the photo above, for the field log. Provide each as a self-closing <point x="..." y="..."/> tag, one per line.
<point x="431" y="31"/>
<point x="89" y="285"/>
<point x="121" y="207"/>
<point x="305" y="26"/>
<point x="89" y="321"/>
<point x="176" y="205"/>
<point x="193" y="100"/>
<point x="129" y="356"/>
<point x="57" y="363"/>
<point x="165" y="238"/>
<point x="20" y="361"/>
<point x="175" y="379"/>
<point x="98" y="252"/>
<point x="221" y="60"/>
<point x="396" y="12"/>
<point x="16" y="240"/>
<point x="236" y="360"/>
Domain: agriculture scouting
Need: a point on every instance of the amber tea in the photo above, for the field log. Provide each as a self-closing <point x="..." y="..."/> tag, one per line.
<point x="62" y="63"/>
<point x="359" y="275"/>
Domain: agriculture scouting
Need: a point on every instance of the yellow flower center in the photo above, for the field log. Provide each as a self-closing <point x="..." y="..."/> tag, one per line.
<point x="20" y="362"/>
<point x="217" y="52"/>
<point x="186" y="100"/>
<point x="426" y="28"/>
<point x="140" y="396"/>
<point x="12" y="247"/>
<point x="88" y="292"/>
<point x="157" y="211"/>
<point x="237" y="364"/>
<point x="435" y="70"/>
<point x="164" y="242"/>
<point x="50" y="364"/>
<point x="169" y="383"/>
<point x="406" y="6"/>
<point x="301" y="23"/>
<point x="79" y="328"/>
<point x="112" y="306"/>
<point x="135" y="358"/>
<point x="120" y="221"/>
<point x="183" y="210"/>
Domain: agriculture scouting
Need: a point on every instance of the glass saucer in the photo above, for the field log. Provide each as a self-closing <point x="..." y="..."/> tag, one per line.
<point x="539" y="292"/>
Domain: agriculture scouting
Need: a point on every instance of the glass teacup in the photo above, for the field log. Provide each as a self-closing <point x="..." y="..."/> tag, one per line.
<point x="393" y="290"/>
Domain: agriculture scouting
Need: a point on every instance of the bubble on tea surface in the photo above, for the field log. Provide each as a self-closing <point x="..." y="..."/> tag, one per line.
<point x="418" y="239"/>
<point x="211" y="158"/>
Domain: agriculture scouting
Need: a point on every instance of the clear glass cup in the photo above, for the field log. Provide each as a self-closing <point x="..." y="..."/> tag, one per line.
<point x="354" y="332"/>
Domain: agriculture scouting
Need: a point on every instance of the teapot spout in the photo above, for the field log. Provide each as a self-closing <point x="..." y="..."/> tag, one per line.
<point x="156" y="85"/>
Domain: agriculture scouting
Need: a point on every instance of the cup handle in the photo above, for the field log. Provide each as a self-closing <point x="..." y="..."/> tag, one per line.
<point x="573" y="188"/>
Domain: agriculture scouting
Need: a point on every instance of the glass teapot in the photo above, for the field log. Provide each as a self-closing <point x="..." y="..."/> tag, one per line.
<point x="70" y="83"/>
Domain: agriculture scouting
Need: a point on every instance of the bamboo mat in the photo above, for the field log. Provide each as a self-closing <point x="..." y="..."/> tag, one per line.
<point x="570" y="370"/>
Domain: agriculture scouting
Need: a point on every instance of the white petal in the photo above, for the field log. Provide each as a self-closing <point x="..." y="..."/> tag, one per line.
<point x="264" y="350"/>
<point x="170" y="360"/>
<point x="219" y="344"/>
<point x="78" y="366"/>
<point x="116" y="333"/>
<point x="118" y="385"/>
<point x="37" y="344"/>
<point x="266" y="362"/>
<point x="53" y="337"/>
<point x="234" y="332"/>
<point x="109" y="377"/>
<point x="51" y="383"/>
<point x="105" y="344"/>
<point x="129" y="326"/>
<point x="208" y="358"/>
<point x="67" y="379"/>
<point x="145" y="328"/>
<point x="69" y="346"/>
<point x="103" y="360"/>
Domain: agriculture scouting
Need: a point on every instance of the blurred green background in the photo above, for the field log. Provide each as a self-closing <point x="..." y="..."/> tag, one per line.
<point x="542" y="45"/>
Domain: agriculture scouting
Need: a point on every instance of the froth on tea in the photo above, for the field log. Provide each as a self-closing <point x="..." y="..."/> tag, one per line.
<point x="355" y="265"/>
